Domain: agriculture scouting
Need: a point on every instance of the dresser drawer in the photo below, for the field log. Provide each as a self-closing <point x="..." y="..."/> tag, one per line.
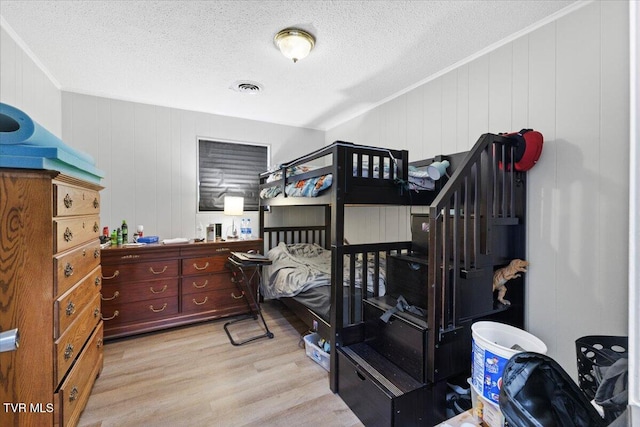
<point x="70" y="200"/>
<point x="195" y="284"/>
<point x="74" y="392"/>
<point x="127" y="273"/>
<point x="116" y="294"/>
<point x="225" y="301"/>
<point x="69" y="345"/>
<point x="118" y="314"/>
<point x="70" y="305"/>
<point x="70" y="266"/>
<point x="211" y="264"/>
<point x="71" y="232"/>
<point x="118" y="255"/>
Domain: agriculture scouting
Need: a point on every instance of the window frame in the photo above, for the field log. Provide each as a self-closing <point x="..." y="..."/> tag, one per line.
<point x="226" y="141"/>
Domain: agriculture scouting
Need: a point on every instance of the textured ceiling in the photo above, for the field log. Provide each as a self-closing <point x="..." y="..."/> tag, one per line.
<point x="187" y="54"/>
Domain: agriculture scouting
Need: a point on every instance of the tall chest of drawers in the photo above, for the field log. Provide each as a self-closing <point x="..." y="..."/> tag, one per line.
<point x="50" y="282"/>
<point x="159" y="286"/>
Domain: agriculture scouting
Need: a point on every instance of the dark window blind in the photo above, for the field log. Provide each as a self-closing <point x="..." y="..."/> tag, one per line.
<point x="229" y="169"/>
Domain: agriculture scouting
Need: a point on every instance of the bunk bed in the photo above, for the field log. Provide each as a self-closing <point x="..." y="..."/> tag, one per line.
<point x="358" y="175"/>
<point x="333" y="177"/>
<point x="475" y="219"/>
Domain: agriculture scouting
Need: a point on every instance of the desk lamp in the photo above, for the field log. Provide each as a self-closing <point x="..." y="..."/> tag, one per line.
<point x="233" y="206"/>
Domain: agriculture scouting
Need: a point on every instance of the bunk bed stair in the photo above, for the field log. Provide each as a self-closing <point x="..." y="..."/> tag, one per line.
<point x="382" y="394"/>
<point x="477" y="221"/>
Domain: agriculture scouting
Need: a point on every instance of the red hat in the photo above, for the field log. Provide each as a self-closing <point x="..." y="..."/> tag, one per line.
<point x="528" y="147"/>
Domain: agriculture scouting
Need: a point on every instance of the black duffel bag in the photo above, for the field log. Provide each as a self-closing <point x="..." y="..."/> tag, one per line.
<point x="537" y="392"/>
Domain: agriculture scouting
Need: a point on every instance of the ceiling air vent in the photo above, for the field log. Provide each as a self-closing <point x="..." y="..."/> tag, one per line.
<point x="245" y="86"/>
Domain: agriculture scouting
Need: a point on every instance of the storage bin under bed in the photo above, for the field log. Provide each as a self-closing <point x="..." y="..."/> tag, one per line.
<point x="314" y="352"/>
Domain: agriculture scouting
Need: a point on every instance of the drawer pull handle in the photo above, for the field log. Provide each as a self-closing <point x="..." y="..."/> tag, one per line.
<point x="158" y="310"/>
<point x="362" y="377"/>
<point x="68" y="201"/>
<point x="68" y="235"/>
<point x="116" y="274"/>
<point x="68" y="352"/>
<point x="115" y="314"/>
<point x="96" y="253"/>
<point x="96" y="204"/>
<point x="71" y="308"/>
<point x="200" y="303"/>
<point x="96" y="227"/>
<point x="201" y="286"/>
<point x="115" y="295"/>
<point x="68" y="270"/>
<point x="414" y="266"/>
<point x="73" y="394"/>
<point x="222" y="250"/>
<point x="164" y="288"/>
<point x="97" y="281"/>
<point x="200" y="268"/>
<point x="158" y="272"/>
<point x="99" y="343"/>
<point x="96" y="312"/>
<point x="235" y="297"/>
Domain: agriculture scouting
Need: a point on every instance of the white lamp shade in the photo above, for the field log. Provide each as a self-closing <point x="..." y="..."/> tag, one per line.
<point x="437" y="169"/>
<point x="233" y="205"/>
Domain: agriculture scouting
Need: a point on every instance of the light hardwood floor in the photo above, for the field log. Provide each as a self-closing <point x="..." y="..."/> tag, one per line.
<point x="193" y="376"/>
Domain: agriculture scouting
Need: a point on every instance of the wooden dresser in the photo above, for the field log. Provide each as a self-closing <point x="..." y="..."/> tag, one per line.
<point x="158" y="286"/>
<point x="50" y="282"/>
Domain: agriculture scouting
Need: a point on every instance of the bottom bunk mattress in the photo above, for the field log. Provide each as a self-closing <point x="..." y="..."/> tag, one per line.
<point x="302" y="272"/>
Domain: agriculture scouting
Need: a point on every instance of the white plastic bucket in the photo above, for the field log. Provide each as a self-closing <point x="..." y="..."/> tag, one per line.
<point x="484" y="410"/>
<point x="493" y="345"/>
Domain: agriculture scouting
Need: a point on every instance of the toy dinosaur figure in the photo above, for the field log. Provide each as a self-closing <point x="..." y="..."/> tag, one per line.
<point x="504" y="274"/>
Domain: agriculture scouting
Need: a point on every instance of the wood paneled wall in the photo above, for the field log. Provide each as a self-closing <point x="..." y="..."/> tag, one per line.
<point x="568" y="79"/>
<point x="149" y="155"/>
<point x="25" y="86"/>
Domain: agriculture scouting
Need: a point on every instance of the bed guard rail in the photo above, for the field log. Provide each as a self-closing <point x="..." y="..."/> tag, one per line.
<point x="358" y="161"/>
<point x="359" y="267"/>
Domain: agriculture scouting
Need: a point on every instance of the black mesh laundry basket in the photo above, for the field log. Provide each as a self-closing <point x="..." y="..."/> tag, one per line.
<point x="595" y="352"/>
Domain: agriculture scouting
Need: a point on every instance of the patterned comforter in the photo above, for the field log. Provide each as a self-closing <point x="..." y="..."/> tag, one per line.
<point x="312" y="187"/>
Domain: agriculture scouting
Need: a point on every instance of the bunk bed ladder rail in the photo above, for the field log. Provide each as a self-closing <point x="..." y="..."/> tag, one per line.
<point x="480" y="192"/>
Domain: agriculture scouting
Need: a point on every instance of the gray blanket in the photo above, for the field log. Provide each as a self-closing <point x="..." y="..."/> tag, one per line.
<point x="299" y="267"/>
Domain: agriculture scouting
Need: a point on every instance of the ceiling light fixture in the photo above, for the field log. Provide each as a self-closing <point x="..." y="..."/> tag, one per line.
<point x="294" y="43"/>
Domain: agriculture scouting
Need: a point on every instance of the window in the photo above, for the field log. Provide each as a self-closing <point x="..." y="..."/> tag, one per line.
<point x="229" y="169"/>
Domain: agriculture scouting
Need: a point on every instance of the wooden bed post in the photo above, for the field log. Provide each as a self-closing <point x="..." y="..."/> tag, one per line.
<point x="265" y="248"/>
<point x="337" y="260"/>
<point x="327" y="224"/>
